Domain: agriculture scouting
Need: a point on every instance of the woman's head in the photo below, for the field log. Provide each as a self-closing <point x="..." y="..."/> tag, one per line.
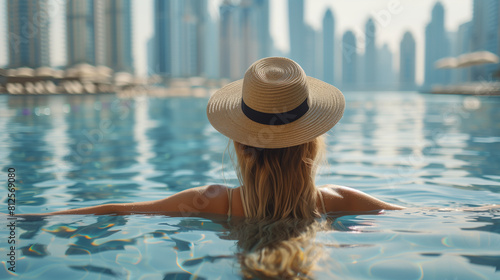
<point x="275" y="116"/>
<point x="279" y="183"/>
<point x="275" y="106"/>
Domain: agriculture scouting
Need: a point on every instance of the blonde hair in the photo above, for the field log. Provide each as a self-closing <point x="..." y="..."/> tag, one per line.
<point x="279" y="183"/>
<point x="283" y="249"/>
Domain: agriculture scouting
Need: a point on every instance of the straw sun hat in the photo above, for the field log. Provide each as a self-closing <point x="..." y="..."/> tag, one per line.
<point x="275" y="106"/>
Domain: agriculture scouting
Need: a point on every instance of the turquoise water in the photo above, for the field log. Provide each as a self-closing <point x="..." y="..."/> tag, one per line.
<point x="420" y="151"/>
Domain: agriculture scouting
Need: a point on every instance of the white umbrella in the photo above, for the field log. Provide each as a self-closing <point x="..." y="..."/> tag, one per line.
<point x="44" y="72"/>
<point x="25" y="72"/>
<point x="447" y="62"/>
<point x="477" y="58"/>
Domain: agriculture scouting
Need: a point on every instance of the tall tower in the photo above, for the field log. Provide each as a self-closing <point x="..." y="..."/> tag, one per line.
<point x="28" y="27"/>
<point x="261" y="16"/>
<point x="385" y="69"/>
<point x="200" y="21"/>
<point x="485" y="36"/>
<point x="161" y="44"/>
<point x="370" y="81"/>
<point x="211" y="55"/>
<point x="464" y="44"/>
<point x="436" y="47"/>
<point x="244" y="35"/>
<point x="328" y="47"/>
<point x="407" y="62"/>
<point x="188" y="19"/>
<point x="231" y="40"/>
<point x="349" y="60"/>
<point x="250" y="44"/>
<point x="85" y="32"/>
<point x="297" y="30"/>
<point x="118" y="35"/>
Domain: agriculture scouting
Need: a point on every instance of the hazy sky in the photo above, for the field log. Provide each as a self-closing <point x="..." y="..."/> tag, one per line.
<point x="349" y="14"/>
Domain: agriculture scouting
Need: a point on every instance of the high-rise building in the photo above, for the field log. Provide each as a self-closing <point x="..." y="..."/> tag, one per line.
<point x="28" y="29"/>
<point x="407" y="62"/>
<point x="152" y="56"/>
<point x="485" y="36"/>
<point x="349" y="61"/>
<point x="230" y="41"/>
<point x="244" y="35"/>
<point x="436" y="47"/>
<point x="262" y="21"/>
<point x="385" y="69"/>
<point x="180" y="31"/>
<point x="370" y="67"/>
<point x="309" y="57"/>
<point x="250" y="46"/>
<point x="464" y="43"/>
<point x="118" y="35"/>
<point x="188" y="24"/>
<point x="211" y="53"/>
<point x="85" y="32"/>
<point x="162" y="63"/>
<point x="328" y="47"/>
<point x="297" y="30"/>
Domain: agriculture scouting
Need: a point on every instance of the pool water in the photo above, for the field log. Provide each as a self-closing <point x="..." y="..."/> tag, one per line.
<point x="420" y="151"/>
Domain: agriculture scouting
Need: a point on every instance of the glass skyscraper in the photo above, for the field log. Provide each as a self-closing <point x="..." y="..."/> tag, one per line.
<point x="349" y="60"/>
<point x="407" y="62"/>
<point x="485" y="36"/>
<point x="118" y="35"/>
<point x="328" y="47"/>
<point x="85" y="32"/>
<point x="436" y="47"/>
<point x="28" y="29"/>
<point x="370" y="65"/>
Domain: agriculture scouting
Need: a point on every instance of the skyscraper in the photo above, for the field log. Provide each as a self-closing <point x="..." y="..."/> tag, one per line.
<point x="152" y="56"/>
<point x="244" y="35"/>
<point x="85" y="32"/>
<point x="162" y="63"/>
<point x="230" y="40"/>
<point x="211" y="48"/>
<point x="250" y="45"/>
<point x="407" y="62"/>
<point x="485" y="36"/>
<point x="436" y="47"/>
<point x="297" y="30"/>
<point x="385" y="70"/>
<point x="464" y="43"/>
<point x="370" y="70"/>
<point x="349" y="60"/>
<point x="261" y="13"/>
<point x="118" y="35"/>
<point x="309" y="57"/>
<point x="28" y="29"/>
<point x="188" y="20"/>
<point x="328" y="47"/>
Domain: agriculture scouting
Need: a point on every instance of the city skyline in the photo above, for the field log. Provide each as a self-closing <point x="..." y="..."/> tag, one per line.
<point x="338" y="10"/>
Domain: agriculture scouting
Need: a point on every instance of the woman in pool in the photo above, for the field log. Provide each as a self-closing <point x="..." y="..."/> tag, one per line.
<point x="275" y="117"/>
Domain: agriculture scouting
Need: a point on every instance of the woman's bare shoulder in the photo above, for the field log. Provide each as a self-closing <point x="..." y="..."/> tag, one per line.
<point x="342" y="198"/>
<point x="204" y="199"/>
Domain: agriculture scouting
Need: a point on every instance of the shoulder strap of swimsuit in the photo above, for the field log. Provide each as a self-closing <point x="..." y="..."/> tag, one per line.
<point x="322" y="201"/>
<point x="229" y="199"/>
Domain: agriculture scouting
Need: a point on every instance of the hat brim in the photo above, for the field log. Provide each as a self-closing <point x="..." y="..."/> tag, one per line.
<point x="326" y="107"/>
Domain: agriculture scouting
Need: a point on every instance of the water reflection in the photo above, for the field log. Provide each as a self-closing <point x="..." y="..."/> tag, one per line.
<point x="71" y="150"/>
<point x="416" y="150"/>
<point x="389" y="144"/>
<point x="361" y="246"/>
